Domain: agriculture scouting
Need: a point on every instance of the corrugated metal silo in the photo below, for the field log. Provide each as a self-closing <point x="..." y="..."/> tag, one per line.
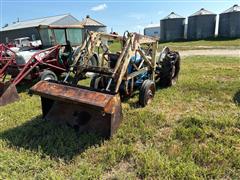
<point x="229" y="23"/>
<point x="201" y="25"/>
<point x="172" y="27"/>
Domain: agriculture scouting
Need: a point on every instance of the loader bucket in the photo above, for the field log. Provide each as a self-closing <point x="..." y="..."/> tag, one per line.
<point x="8" y="93"/>
<point x="82" y="108"/>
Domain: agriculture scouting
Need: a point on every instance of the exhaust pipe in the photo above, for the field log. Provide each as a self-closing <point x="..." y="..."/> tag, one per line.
<point x="8" y="93"/>
<point x="80" y="107"/>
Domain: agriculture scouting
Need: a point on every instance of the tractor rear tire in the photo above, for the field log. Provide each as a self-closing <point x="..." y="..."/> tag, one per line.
<point x="147" y="92"/>
<point x="48" y="75"/>
<point x="170" y="75"/>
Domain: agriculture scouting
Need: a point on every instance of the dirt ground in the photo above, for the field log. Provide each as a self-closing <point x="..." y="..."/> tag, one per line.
<point x="211" y="52"/>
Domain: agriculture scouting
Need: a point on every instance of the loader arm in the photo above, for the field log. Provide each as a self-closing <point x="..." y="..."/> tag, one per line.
<point x="6" y="59"/>
<point x="34" y="61"/>
<point x="123" y="62"/>
<point x="85" y="53"/>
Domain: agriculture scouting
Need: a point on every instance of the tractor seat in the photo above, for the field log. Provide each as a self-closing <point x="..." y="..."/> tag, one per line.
<point x="65" y="55"/>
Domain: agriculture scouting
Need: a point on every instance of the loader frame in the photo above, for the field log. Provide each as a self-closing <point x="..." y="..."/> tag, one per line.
<point x="7" y="56"/>
<point x="47" y="58"/>
<point x="132" y="44"/>
<point x="97" y="109"/>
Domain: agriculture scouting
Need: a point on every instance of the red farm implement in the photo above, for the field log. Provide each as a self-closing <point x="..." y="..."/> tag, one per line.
<point x="7" y="56"/>
<point x="43" y="64"/>
<point x="58" y="45"/>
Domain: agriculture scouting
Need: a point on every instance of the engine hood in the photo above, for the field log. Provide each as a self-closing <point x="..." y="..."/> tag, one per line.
<point x="22" y="57"/>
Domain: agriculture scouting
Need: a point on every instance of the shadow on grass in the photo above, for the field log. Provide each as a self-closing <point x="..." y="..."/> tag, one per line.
<point x="236" y="98"/>
<point x="48" y="138"/>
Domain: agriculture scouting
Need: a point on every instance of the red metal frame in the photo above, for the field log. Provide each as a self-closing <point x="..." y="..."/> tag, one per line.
<point x="6" y="61"/>
<point x="49" y="59"/>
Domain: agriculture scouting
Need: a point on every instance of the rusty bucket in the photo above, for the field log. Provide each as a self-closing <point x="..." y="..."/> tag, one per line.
<point x="8" y="93"/>
<point x="82" y="108"/>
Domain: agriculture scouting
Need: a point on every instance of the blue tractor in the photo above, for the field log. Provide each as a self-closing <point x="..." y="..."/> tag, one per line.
<point x="136" y="66"/>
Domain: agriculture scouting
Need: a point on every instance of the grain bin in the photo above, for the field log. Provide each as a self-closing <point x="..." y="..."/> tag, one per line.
<point x="172" y="28"/>
<point x="201" y="25"/>
<point x="229" y="23"/>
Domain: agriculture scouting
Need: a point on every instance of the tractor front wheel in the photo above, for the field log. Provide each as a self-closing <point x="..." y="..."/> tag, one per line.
<point x="98" y="82"/>
<point x="93" y="61"/>
<point x="147" y="92"/>
<point x="48" y="75"/>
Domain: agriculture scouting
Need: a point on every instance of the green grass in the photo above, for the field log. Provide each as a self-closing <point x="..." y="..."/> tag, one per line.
<point x="189" y="131"/>
<point x="192" y="45"/>
<point x="115" y="46"/>
<point x="203" y="44"/>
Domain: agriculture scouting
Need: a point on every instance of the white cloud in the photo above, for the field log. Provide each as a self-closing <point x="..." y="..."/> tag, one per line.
<point x="99" y="7"/>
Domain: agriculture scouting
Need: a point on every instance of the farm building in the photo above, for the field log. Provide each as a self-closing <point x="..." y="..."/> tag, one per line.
<point x="93" y="25"/>
<point x="201" y="25"/>
<point x="172" y="27"/>
<point x="28" y="28"/>
<point x="152" y="30"/>
<point x="229" y="23"/>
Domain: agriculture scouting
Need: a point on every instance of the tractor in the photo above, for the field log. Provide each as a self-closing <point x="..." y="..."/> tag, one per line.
<point x="136" y="67"/>
<point x="47" y="62"/>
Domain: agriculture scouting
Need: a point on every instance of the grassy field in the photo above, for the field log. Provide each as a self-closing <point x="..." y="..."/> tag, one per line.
<point x="189" y="131"/>
<point x="192" y="45"/>
<point x="203" y="44"/>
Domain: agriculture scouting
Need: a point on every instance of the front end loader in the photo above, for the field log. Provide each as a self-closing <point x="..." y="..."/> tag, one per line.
<point x="97" y="109"/>
<point x="28" y="64"/>
<point x="8" y="91"/>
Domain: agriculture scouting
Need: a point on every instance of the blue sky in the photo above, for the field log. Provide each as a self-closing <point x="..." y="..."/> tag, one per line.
<point x="120" y="15"/>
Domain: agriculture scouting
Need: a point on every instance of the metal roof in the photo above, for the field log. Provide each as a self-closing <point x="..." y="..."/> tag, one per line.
<point x="202" y="12"/>
<point x="173" y="15"/>
<point x="234" y="8"/>
<point x="74" y="26"/>
<point x="35" y="22"/>
<point x="91" y="22"/>
<point x="153" y="25"/>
